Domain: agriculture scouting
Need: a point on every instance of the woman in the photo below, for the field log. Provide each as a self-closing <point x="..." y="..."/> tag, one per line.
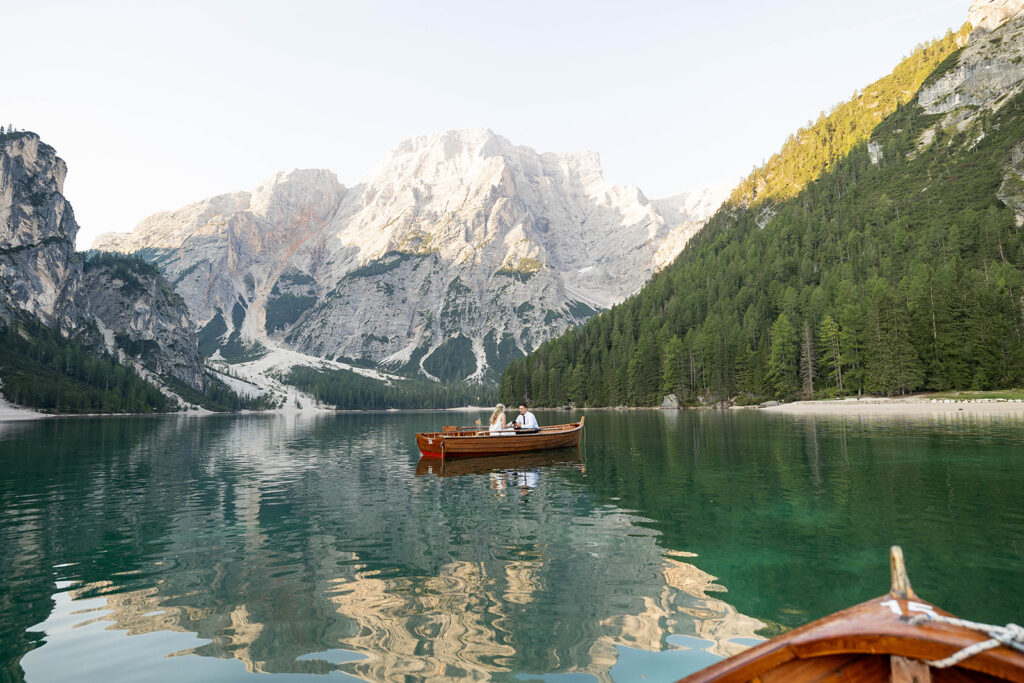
<point x="497" y="422"/>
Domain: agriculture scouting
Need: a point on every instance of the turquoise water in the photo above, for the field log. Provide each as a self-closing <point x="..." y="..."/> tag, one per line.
<point x="223" y="548"/>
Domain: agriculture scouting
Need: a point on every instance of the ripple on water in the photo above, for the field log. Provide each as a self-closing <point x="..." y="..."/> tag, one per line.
<point x="253" y="544"/>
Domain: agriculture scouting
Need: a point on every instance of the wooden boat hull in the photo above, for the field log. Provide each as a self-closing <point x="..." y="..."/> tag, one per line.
<point x="873" y="641"/>
<point x="472" y="443"/>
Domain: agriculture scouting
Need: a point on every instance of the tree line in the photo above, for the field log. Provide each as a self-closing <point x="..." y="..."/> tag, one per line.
<point x="43" y="370"/>
<point x="887" y="274"/>
<point x="349" y="390"/>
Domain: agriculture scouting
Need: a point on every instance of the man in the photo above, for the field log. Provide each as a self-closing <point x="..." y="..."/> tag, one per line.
<point x="526" y="419"/>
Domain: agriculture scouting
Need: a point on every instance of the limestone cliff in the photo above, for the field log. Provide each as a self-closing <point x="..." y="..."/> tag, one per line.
<point x="983" y="77"/>
<point x="136" y="316"/>
<point x="988" y="15"/>
<point x="142" y="317"/>
<point x="457" y="253"/>
<point x="39" y="273"/>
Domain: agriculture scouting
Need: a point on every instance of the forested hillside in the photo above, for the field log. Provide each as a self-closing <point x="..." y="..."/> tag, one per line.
<point x="897" y="269"/>
<point x="348" y="390"/>
<point x="42" y="369"/>
<point x="814" y="148"/>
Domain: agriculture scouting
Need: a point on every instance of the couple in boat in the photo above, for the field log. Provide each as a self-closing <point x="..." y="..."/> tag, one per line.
<point x="525" y="422"/>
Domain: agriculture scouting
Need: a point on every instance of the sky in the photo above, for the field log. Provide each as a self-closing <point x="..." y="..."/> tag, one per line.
<point x="154" y="105"/>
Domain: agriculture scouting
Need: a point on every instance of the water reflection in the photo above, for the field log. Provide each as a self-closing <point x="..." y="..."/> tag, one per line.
<point x="518" y="462"/>
<point x="308" y="546"/>
<point x="274" y="540"/>
<point x="795" y="512"/>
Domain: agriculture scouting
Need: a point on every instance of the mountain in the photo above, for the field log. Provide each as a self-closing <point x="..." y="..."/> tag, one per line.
<point x="458" y="253"/>
<point x="79" y="335"/>
<point x="38" y="270"/>
<point x="987" y="15"/>
<point x="877" y="254"/>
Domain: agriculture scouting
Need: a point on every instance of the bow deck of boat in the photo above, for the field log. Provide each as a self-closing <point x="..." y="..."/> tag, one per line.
<point x="898" y="637"/>
<point x="462" y="442"/>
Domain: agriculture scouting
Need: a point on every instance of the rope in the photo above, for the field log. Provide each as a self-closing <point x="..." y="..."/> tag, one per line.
<point x="1011" y="635"/>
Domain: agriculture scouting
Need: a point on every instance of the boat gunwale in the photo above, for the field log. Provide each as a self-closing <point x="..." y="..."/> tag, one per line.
<point x="870" y="628"/>
<point x="549" y="430"/>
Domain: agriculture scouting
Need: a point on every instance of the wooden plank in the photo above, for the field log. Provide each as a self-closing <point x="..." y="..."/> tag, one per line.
<point x="906" y="670"/>
<point x="831" y="669"/>
<point x="957" y="675"/>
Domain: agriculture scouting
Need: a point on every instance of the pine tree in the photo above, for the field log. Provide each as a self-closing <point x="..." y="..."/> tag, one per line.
<point x="830" y="352"/>
<point x="782" y="360"/>
<point x="808" y="364"/>
<point x="672" y="364"/>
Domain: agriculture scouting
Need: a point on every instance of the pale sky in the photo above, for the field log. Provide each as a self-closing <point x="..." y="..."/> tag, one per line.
<point x="155" y="105"/>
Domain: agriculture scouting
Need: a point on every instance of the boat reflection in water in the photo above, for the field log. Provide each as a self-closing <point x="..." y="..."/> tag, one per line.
<point x="518" y="463"/>
<point x="277" y="548"/>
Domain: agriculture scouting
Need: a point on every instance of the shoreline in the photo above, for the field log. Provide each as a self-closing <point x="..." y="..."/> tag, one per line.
<point x="909" y="406"/>
<point x="874" y="406"/>
<point x="13" y="413"/>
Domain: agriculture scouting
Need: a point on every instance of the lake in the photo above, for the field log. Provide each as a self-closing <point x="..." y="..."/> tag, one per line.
<point x="226" y="547"/>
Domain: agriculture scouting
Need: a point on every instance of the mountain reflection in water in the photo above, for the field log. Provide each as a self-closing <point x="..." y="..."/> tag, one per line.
<point x="310" y="545"/>
<point x="275" y="539"/>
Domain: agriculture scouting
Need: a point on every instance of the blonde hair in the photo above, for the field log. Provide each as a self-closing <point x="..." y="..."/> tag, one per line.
<point x="498" y="410"/>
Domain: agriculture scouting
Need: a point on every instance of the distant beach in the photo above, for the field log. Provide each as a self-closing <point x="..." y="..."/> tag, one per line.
<point x="10" y="412"/>
<point x="902" y="406"/>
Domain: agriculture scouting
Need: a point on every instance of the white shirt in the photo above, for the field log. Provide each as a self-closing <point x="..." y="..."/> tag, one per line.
<point x="527" y="421"/>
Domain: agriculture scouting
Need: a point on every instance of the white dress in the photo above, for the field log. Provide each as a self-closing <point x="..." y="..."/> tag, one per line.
<point x="495" y="428"/>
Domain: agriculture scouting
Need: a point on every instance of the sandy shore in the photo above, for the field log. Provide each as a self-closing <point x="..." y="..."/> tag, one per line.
<point x="871" y="406"/>
<point x="10" y="412"/>
<point x="902" y="407"/>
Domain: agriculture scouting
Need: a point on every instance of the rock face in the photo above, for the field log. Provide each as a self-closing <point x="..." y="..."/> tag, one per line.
<point x="140" y="314"/>
<point x="38" y="271"/>
<point x="988" y="74"/>
<point x="135" y="315"/>
<point x="458" y="253"/>
<point x="988" y="15"/>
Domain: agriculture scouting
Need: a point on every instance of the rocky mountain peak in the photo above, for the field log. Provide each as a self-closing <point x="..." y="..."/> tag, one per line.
<point x="37" y="231"/>
<point x="288" y="200"/>
<point x="452" y="142"/>
<point x="307" y="194"/>
<point x="473" y="154"/>
<point x="169" y="229"/>
<point x="459" y="251"/>
<point x="135" y="316"/>
<point x="481" y="153"/>
<point x="988" y="15"/>
<point x="39" y="211"/>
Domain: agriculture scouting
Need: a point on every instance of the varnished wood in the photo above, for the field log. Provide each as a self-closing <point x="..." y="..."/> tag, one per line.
<point x="473" y="442"/>
<point x="906" y="670"/>
<point x="876" y="631"/>
<point x="834" y="668"/>
<point x="900" y="580"/>
<point x="955" y="675"/>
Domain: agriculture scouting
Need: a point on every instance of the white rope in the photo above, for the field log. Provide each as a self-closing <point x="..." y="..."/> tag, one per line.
<point x="1010" y="635"/>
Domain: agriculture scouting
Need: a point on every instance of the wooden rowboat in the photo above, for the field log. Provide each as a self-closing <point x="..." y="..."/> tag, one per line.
<point x="455" y="442"/>
<point x="898" y="637"/>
